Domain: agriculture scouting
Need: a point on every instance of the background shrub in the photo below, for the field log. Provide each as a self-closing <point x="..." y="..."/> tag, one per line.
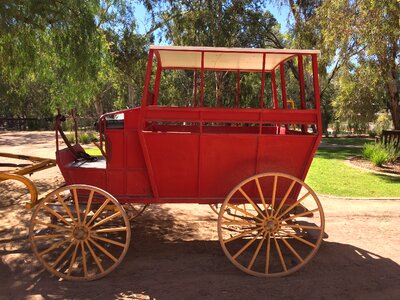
<point x="380" y="153"/>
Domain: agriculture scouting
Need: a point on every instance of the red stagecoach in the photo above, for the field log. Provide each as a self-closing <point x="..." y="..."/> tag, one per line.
<point x="247" y="161"/>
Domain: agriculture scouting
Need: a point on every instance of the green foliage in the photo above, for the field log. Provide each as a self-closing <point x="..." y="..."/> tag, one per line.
<point x="382" y="122"/>
<point x="370" y="28"/>
<point x="70" y="137"/>
<point x="87" y="137"/>
<point x="68" y="54"/>
<point x="357" y="99"/>
<point x="380" y="153"/>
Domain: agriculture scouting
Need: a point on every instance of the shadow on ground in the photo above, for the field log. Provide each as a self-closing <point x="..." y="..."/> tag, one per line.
<point x="170" y="259"/>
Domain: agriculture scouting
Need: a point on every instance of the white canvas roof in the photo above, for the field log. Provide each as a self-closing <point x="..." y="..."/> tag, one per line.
<point x="249" y="59"/>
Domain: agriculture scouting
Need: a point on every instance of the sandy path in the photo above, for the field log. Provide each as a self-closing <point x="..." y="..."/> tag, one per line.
<point x="175" y="253"/>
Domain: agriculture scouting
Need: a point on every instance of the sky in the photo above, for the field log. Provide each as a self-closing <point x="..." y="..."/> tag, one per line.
<point x="280" y="13"/>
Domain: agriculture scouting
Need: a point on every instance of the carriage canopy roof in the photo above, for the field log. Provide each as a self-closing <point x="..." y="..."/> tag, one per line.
<point x="244" y="59"/>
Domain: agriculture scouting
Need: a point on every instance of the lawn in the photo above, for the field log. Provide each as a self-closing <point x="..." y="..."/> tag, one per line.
<point x="353" y="141"/>
<point x="331" y="175"/>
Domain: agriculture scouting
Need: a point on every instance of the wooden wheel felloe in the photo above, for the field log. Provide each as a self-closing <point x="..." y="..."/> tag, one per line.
<point x="280" y="230"/>
<point x="79" y="232"/>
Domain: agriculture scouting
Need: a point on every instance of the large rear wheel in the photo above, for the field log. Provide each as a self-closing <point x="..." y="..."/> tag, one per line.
<point x="280" y="230"/>
<point x="79" y="232"/>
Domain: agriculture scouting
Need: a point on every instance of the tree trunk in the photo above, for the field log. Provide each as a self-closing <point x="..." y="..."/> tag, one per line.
<point x="393" y="104"/>
<point x="131" y="94"/>
<point x="99" y="106"/>
<point x="218" y="88"/>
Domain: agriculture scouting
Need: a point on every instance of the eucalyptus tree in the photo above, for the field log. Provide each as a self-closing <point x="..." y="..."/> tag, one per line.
<point x="372" y="28"/>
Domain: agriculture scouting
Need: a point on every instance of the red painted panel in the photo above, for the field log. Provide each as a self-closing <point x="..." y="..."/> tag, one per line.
<point x="131" y="118"/>
<point x="285" y="153"/>
<point x="95" y="177"/>
<point x="115" y="148"/>
<point x="134" y="153"/>
<point x="225" y="161"/>
<point x="137" y="183"/>
<point x="115" y="182"/>
<point x="174" y="158"/>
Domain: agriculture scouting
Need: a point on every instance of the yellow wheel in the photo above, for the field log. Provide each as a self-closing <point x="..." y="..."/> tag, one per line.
<point x="280" y="230"/>
<point x="134" y="210"/>
<point x="79" y="232"/>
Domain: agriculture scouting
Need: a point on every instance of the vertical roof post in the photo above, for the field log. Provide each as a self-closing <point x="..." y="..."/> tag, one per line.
<point x="262" y="83"/>
<point x="157" y="83"/>
<point x="301" y="81"/>
<point x="283" y="85"/>
<point x="274" y="93"/>
<point x="202" y="80"/>
<point x="194" y="88"/>
<point x="237" y="88"/>
<point x="147" y="78"/>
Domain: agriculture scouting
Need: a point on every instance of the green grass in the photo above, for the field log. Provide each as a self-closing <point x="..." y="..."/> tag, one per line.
<point x="331" y="175"/>
<point x="356" y="141"/>
<point x="93" y="151"/>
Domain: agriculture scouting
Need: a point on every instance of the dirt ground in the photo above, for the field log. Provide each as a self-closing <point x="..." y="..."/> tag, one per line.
<point x="175" y="253"/>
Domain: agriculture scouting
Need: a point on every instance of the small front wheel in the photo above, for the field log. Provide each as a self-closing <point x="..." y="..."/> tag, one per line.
<point x="280" y="230"/>
<point x="79" y="232"/>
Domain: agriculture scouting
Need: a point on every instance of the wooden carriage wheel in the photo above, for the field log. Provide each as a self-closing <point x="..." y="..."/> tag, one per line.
<point x="79" y="232"/>
<point x="277" y="235"/>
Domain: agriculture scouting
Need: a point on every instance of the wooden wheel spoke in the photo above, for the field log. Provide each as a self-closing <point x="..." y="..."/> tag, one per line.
<point x="244" y="233"/>
<point x="108" y="240"/>
<point x="301" y="239"/>
<point x="238" y="222"/>
<point x="55" y="246"/>
<point x="49" y="236"/>
<point x="267" y="255"/>
<point x="278" y="249"/>
<point x="78" y="212"/>
<point x="57" y="261"/>
<point x="274" y="192"/>
<point x="104" y="250"/>
<point x="56" y="214"/>
<point x="73" y="259"/>
<point x="111" y="229"/>
<point x="285" y="197"/>
<point x="98" y="263"/>
<point x="301" y="215"/>
<point x="294" y="205"/>
<point x="247" y="245"/>
<point x="251" y="202"/>
<point x="245" y="212"/>
<point x="89" y="203"/>
<point x="302" y="226"/>
<point x="291" y="249"/>
<point x="96" y="214"/>
<point x="52" y="226"/>
<point x="67" y="210"/>
<point x="85" y="273"/>
<point x="109" y="218"/>
<point x="262" y="196"/>
<point x="253" y="259"/>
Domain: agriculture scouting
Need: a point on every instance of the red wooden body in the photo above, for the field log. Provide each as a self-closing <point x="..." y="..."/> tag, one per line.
<point x="198" y="154"/>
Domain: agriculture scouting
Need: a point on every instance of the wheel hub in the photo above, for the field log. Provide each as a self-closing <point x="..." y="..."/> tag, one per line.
<point x="271" y="225"/>
<point x="80" y="233"/>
